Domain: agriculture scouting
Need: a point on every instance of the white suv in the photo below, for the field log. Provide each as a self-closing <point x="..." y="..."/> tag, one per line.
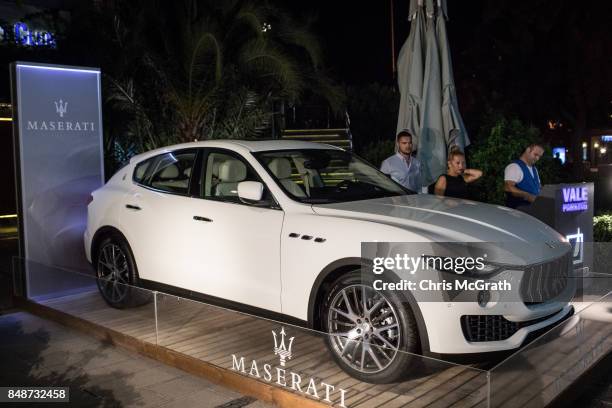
<point x="275" y="228"/>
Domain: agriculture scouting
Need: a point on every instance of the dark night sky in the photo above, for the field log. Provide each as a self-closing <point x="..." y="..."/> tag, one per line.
<point x="538" y="59"/>
<point x="531" y="83"/>
<point x="356" y="35"/>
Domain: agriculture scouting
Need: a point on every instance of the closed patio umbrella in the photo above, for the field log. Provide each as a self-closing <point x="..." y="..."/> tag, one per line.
<point x="410" y="74"/>
<point x="455" y="132"/>
<point x="428" y="103"/>
<point x="432" y="144"/>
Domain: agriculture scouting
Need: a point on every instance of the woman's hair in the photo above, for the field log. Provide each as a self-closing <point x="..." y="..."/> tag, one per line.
<point x="454" y="152"/>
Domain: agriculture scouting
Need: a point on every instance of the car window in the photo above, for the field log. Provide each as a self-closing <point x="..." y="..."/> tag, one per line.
<point x="141" y="170"/>
<point x="221" y="174"/>
<point x="172" y="172"/>
<point x="327" y="176"/>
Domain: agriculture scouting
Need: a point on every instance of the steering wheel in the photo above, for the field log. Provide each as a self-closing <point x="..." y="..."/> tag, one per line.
<point x="344" y="185"/>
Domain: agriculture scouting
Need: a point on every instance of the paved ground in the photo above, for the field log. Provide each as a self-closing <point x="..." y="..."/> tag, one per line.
<point x="595" y="391"/>
<point x="34" y="351"/>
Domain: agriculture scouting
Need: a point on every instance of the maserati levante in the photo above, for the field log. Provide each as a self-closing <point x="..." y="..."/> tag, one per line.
<point x="275" y="228"/>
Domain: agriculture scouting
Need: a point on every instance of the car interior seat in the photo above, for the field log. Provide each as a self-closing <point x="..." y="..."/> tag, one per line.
<point x="168" y="179"/>
<point x="281" y="168"/>
<point x="231" y="172"/>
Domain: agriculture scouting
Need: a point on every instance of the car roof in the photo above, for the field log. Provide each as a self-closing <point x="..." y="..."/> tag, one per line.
<point x="266" y="145"/>
<point x="250" y="145"/>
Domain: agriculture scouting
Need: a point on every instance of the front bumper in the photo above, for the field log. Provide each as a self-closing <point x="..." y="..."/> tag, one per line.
<point x="499" y="355"/>
<point x="539" y="296"/>
<point x="450" y="338"/>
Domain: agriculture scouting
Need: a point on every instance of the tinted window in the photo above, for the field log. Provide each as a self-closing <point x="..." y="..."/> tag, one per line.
<point x="172" y="172"/>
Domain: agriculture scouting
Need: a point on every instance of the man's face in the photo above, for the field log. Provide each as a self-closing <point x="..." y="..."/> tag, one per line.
<point x="533" y="154"/>
<point x="404" y="145"/>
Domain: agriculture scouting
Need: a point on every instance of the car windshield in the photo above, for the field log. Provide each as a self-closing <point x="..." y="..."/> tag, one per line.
<point x="319" y="176"/>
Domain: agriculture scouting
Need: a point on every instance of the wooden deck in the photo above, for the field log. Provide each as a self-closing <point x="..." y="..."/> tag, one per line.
<point x="187" y="334"/>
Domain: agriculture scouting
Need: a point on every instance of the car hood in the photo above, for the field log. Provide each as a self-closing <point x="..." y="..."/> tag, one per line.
<point x="449" y="219"/>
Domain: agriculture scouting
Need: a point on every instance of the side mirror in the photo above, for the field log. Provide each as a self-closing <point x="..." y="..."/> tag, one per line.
<point x="250" y="192"/>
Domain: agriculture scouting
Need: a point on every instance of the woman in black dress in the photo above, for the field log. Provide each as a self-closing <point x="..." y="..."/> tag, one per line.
<point x="454" y="182"/>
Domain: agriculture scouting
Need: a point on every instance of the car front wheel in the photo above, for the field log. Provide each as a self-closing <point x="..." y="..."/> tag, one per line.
<point x="371" y="333"/>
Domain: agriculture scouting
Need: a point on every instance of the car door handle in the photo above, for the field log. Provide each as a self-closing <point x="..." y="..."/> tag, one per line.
<point x="133" y="207"/>
<point x="198" y="218"/>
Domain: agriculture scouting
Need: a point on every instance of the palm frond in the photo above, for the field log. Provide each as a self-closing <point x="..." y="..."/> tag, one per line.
<point x="205" y="44"/>
<point x="300" y="36"/>
<point x="266" y="61"/>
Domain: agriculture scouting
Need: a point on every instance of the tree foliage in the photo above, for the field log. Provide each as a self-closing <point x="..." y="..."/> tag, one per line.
<point x="197" y="69"/>
<point x="602" y="228"/>
<point x="373" y="110"/>
<point x="503" y="140"/>
<point x="376" y="152"/>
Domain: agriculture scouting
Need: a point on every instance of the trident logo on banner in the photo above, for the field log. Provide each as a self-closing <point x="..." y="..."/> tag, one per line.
<point x="61" y="107"/>
<point x="281" y="349"/>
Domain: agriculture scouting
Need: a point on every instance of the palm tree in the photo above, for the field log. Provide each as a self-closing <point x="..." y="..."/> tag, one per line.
<point x="213" y="67"/>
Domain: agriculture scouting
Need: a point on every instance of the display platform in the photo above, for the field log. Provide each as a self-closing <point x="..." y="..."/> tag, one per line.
<point x="290" y="366"/>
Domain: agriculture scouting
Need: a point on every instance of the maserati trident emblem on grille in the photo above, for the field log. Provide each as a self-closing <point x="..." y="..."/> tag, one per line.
<point x="61" y="108"/>
<point x="281" y="349"/>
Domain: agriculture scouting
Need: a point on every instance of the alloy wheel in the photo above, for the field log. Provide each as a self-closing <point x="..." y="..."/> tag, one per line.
<point x="113" y="272"/>
<point x="364" y="328"/>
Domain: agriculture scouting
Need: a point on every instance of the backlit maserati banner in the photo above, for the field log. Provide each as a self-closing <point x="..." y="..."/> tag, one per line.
<point x="58" y="137"/>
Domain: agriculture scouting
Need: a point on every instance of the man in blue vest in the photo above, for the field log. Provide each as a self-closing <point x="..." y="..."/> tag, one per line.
<point x="521" y="179"/>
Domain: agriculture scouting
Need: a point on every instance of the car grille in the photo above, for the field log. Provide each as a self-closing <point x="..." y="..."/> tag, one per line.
<point x="545" y="281"/>
<point x="492" y="327"/>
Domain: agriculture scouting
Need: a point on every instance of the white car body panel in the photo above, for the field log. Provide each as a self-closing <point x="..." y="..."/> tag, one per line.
<point x="343" y="238"/>
<point x="173" y="249"/>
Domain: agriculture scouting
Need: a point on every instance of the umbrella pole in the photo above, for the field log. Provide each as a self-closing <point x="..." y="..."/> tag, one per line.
<point x="393" y="67"/>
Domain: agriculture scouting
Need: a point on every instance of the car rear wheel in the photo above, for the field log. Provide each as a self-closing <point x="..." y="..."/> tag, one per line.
<point x="371" y="333"/>
<point x="117" y="275"/>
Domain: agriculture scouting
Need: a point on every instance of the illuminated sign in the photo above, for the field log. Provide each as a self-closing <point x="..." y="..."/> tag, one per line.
<point x="575" y="199"/>
<point x="606" y="138"/>
<point x="21" y="34"/>
<point x="60" y="162"/>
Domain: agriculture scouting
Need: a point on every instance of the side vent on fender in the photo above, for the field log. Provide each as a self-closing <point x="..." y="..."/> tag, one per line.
<point x="318" y="240"/>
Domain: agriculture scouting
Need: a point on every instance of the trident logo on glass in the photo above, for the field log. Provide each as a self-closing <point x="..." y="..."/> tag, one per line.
<point x="281" y="349"/>
<point x="577" y="242"/>
<point x="61" y="107"/>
